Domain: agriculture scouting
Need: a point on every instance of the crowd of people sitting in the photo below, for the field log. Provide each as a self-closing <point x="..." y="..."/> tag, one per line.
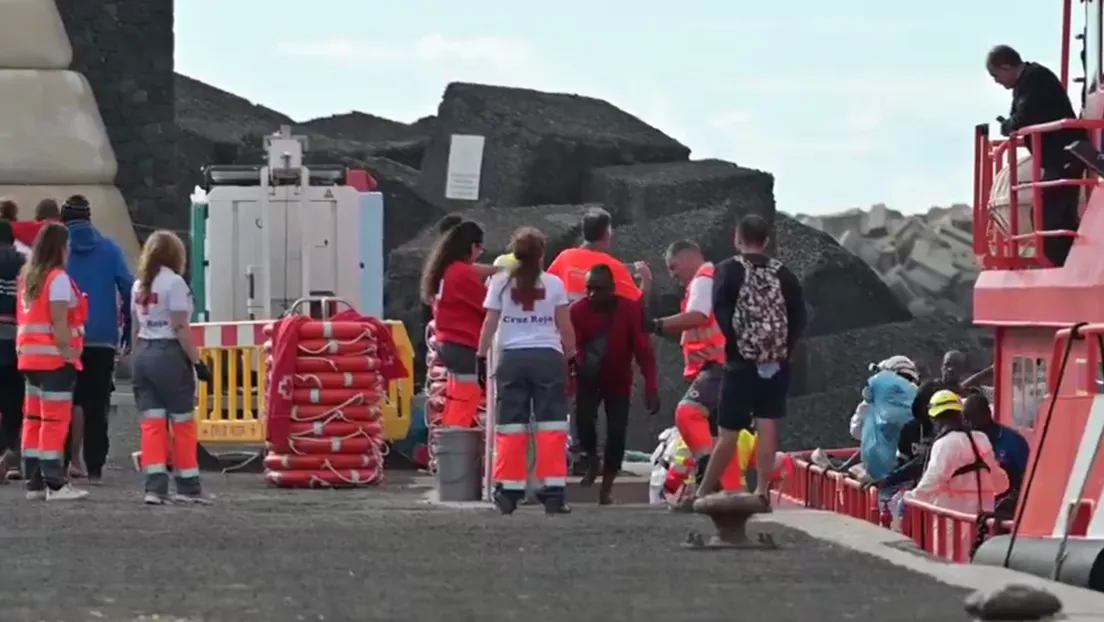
<point x="935" y="441"/>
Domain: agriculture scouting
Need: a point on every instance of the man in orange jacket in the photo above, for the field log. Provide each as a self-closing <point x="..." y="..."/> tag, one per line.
<point x="572" y="265"/>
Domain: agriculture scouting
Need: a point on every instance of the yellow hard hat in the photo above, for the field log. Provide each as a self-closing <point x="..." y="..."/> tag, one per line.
<point x="943" y="402"/>
<point x="505" y="261"/>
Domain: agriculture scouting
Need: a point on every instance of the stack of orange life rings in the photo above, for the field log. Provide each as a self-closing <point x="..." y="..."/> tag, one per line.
<point x="435" y="386"/>
<point x="336" y="432"/>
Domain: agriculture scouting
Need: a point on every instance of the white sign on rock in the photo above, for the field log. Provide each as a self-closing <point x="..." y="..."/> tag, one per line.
<point x="465" y="165"/>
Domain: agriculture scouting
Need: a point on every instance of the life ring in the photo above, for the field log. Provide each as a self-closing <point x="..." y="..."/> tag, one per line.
<point x="335" y="364"/>
<point x="324" y="478"/>
<point x="308" y="413"/>
<point x="331" y="429"/>
<point x="291" y="462"/>
<point x="327" y="446"/>
<point x="331" y="347"/>
<point x="336" y="396"/>
<point x="337" y="330"/>
<point x="340" y="379"/>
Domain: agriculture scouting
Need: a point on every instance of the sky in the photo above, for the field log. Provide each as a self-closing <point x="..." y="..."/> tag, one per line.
<point x="848" y="103"/>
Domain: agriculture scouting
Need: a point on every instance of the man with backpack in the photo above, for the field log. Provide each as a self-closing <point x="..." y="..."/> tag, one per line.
<point x="760" y="308"/>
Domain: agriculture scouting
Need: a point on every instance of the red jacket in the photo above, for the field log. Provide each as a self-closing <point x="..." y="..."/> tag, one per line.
<point x="458" y="309"/>
<point x="626" y="341"/>
<point x="25" y="231"/>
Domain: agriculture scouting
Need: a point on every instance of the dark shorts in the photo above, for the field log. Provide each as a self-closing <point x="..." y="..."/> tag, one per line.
<point x="746" y="396"/>
<point x="94" y="382"/>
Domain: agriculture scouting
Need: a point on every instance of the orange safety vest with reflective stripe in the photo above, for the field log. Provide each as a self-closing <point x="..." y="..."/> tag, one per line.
<point x="34" y="338"/>
<point x="571" y="266"/>
<point x="705" y="343"/>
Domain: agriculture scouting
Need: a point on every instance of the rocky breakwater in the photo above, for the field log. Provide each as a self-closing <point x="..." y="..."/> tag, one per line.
<point x="52" y="138"/>
<point x="927" y="260"/>
<point x="549" y="156"/>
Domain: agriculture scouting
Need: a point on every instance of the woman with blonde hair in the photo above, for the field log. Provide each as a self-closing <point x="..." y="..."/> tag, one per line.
<point x="527" y="311"/>
<point x="166" y="365"/>
<point x="50" y="320"/>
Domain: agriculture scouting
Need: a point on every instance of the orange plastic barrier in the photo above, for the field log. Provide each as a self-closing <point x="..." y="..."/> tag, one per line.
<point x="335" y="436"/>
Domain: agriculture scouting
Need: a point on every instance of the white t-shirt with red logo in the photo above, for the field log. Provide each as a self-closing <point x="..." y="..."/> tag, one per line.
<point x="528" y="324"/>
<point x="169" y="293"/>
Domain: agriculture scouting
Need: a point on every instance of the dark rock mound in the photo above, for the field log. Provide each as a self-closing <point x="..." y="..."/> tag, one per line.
<point x="841" y="291"/>
<point x="819" y="420"/>
<point x="540" y="147"/>
<point x="405" y="212"/>
<point x="364" y="127"/>
<point x="222" y="116"/>
<point x="829" y="362"/>
<point x="643" y="192"/>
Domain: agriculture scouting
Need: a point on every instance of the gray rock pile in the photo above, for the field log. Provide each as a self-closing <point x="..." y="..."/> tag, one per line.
<point x="927" y="260"/>
<point x="547" y="157"/>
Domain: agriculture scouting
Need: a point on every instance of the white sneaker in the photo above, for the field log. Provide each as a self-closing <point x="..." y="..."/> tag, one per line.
<point x="153" y="498"/>
<point x="820" y="459"/>
<point x="36" y="495"/>
<point x="192" y="499"/>
<point x="66" y="493"/>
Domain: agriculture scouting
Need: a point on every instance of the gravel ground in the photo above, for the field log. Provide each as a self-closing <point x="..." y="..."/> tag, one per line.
<point x="384" y="554"/>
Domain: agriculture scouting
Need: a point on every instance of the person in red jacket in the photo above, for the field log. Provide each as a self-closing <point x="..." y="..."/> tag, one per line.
<point x="26" y="231"/>
<point x="454" y="287"/>
<point x="609" y="334"/>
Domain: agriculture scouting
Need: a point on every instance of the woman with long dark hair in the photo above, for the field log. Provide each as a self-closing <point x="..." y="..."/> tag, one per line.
<point x="49" y="340"/>
<point x="452" y="285"/>
<point x="166" y="365"/>
<point x="529" y="325"/>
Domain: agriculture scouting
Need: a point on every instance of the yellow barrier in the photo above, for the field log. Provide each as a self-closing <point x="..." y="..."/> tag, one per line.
<point x="230" y="409"/>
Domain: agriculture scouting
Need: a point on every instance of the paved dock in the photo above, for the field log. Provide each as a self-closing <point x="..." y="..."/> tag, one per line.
<point x="387" y="554"/>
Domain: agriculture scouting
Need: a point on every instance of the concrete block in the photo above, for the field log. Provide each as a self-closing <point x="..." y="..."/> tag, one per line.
<point x="32" y="36"/>
<point x="51" y="131"/>
<point x="109" y="210"/>
<point x="875" y="223"/>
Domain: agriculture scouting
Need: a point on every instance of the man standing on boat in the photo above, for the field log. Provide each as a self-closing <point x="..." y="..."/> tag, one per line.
<point x="1038" y="96"/>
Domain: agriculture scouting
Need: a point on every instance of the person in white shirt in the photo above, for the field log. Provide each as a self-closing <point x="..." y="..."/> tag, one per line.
<point x="529" y="326"/>
<point x="166" y="365"/>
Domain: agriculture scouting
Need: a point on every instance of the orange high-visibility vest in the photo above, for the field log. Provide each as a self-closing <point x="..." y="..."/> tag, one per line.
<point x="572" y="265"/>
<point x="34" y="338"/>
<point x="705" y="343"/>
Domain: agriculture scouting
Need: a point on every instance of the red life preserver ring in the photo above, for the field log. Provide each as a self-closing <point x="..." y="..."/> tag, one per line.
<point x="339" y="380"/>
<point x="326" y="446"/>
<point x="330" y="429"/>
<point x="332" y="347"/>
<point x="325" y="478"/>
<point x="334" y="364"/>
<point x="344" y="330"/>
<point x="291" y="462"/>
<point x="308" y="413"/>
<point x="336" y="396"/>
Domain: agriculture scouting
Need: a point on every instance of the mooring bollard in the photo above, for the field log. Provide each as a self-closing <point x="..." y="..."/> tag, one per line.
<point x="1013" y="602"/>
<point x="730" y="513"/>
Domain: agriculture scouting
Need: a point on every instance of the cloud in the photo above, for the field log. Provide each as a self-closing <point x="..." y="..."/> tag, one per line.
<point x="501" y="53"/>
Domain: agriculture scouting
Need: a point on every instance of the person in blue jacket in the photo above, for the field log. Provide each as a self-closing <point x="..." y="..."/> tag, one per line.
<point x="1011" y="448"/>
<point x="99" y="268"/>
<point x="890" y="393"/>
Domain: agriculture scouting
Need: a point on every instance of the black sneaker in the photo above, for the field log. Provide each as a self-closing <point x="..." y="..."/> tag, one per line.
<point x="505" y="502"/>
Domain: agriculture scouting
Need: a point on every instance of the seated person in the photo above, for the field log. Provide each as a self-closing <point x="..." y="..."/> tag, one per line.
<point x="1010" y="446"/>
<point x="962" y="472"/>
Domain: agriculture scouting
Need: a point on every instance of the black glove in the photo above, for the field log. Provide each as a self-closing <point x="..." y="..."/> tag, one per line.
<point x="481" y="371"/>
<point x="1005" y="127"/>
<point x="202" y="372"/>
<point x="653" y="326"/>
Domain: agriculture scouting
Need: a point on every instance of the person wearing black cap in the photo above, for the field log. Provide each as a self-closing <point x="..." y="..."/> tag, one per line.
<point x="97" y="265"/>
<point x="11" y="380"/>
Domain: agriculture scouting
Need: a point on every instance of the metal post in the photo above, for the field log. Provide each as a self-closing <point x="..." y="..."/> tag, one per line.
<point x="489" y="419"/>
<point x="304" y="227"/>
<point x="266" y="244"/>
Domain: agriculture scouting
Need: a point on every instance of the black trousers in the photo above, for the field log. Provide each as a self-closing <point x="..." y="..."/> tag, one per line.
<point x="93" y="396"/>
<point x="588" y="399"/>
<point x="1060" y="206"/>
<point x="11" y="407"/>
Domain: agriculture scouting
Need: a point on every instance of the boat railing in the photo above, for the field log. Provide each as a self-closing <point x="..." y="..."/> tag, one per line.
<point x="1001" y="240"/>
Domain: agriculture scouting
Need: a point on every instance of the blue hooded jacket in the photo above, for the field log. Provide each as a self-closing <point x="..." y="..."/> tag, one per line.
<point x="100" y="271"/>
<point x="890" y="397"/>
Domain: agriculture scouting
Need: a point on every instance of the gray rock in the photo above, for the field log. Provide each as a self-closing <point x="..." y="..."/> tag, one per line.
<point x="1013" y="602"/>
<point x="540" y="147"/>
<point x="829" y="362"/>
<point x="841" y="292"/>
<point x="819" y="420"/>
<point x="643" y="192"/>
